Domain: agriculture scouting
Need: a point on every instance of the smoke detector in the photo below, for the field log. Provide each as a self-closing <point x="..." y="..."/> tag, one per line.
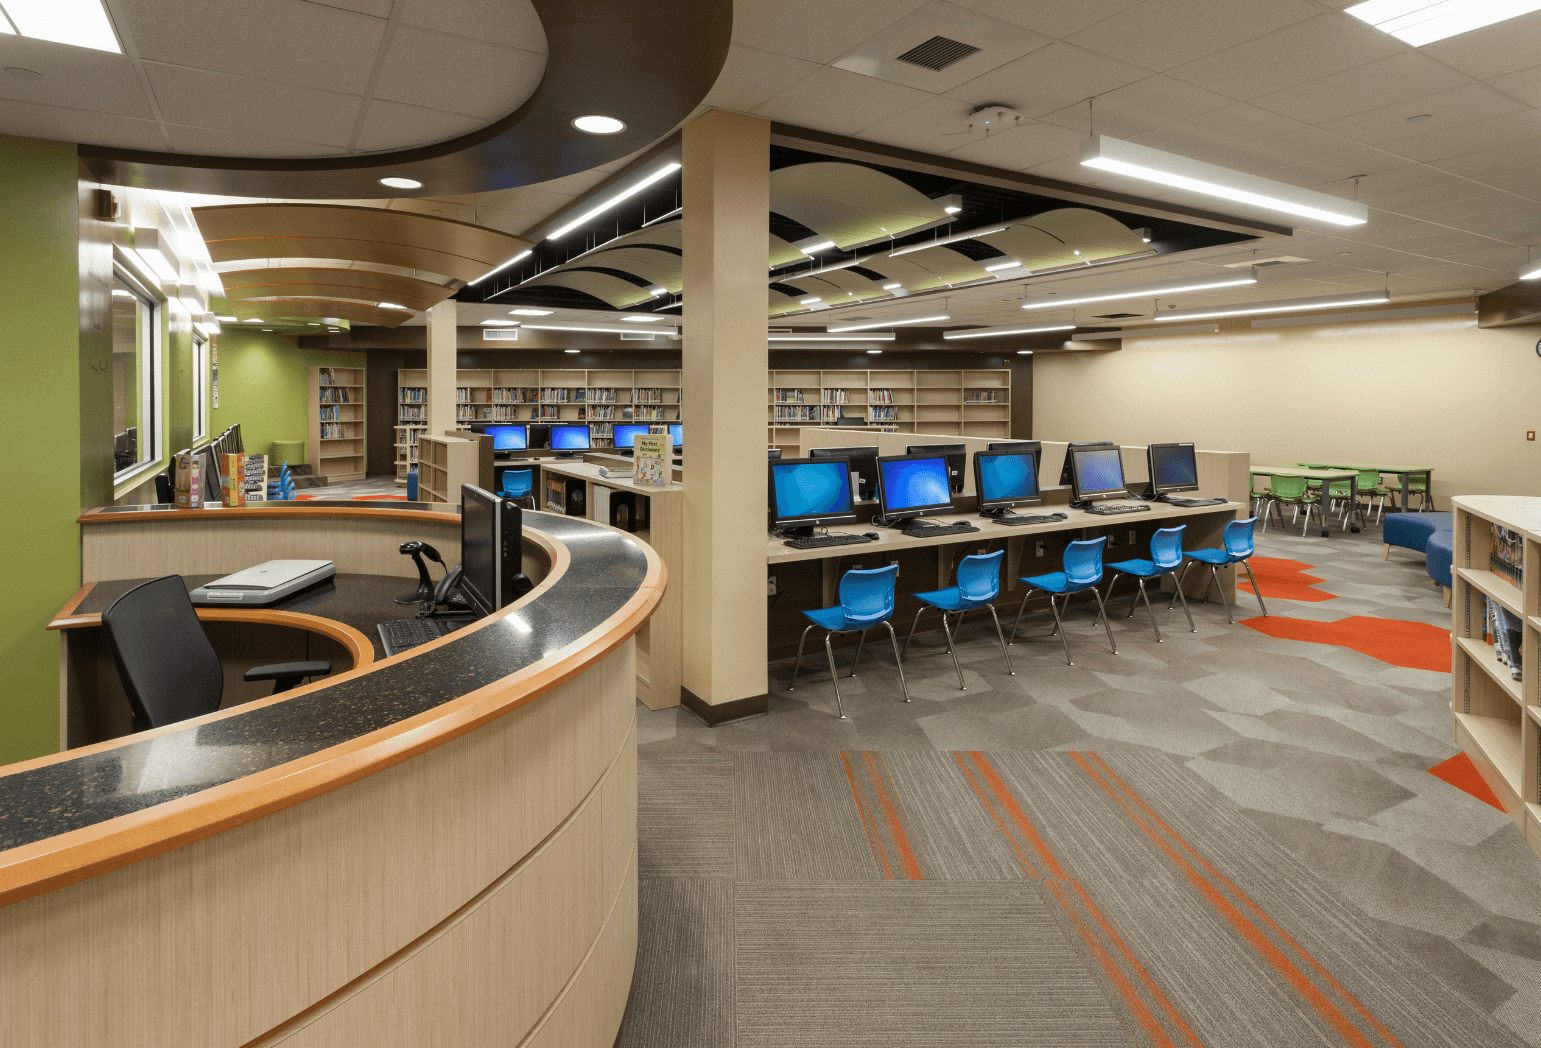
<point x="991" y="118"/>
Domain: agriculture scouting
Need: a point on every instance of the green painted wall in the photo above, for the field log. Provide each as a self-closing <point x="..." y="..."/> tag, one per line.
<point x="40" y="318"/>
<point x="263" y="385"/>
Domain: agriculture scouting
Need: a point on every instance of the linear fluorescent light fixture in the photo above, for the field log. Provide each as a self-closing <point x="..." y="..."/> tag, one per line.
<point x="942" y="242"/>
<point x="80" y="23"/>
<point x="1419" y="22"/>
<point x="1170" y="287"/>
<point x="530" y="312"/>
<point x="892" y="322"/>
<point x="1008" y="264"/>
<point x="625" y="194"/>
<point x="157" y="254"/>
<point x="498" y="269"/>
<point x="614" y="329"/>
<point x="1180" y="172"/>
<point x="996" y="332"/>
<point x="876" y="336"/>
<point x="392" y="305"/>
<point x="1192" y="329"/>
<point x="1532" y="275"/>
<point x="500" y="323"/>
<point x="1360" y="298"/>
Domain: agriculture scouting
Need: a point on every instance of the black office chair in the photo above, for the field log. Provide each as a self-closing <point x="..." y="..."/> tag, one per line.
<point x="163" y="491"/>
<point x="167" y="664"/>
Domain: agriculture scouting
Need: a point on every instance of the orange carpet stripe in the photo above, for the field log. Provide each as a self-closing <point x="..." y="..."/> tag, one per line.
<point x="1022" y="859"/>
<point x="907" y="860"/>
<point x="1250" y="904"/>
<point x="872" y="838"/>
<point x="1461" y="773"/>
<point x="1018" y="816"/>
<point x="1250" y="932"/>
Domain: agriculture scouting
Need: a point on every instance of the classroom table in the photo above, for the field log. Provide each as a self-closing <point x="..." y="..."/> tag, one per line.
<point x="1407" y="473"/>
<point x="1326" y="476"/>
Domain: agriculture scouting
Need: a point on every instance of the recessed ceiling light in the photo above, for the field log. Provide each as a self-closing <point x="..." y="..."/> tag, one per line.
<point x="1419" y="22"/>
<point x="392" y="305"/>
<point x="1024" y="352"/>
<point x="80" y="23"/>
<point x="226" y="320"/>
<point x="23" y="74"/>
<point x="643" y="320"/>
<point x="120" y="293"/>
<point x="569" y="351"/>
<point x="599" y="125"/>
<point x="252" y="320"/>
<point x="313" y="323"/>
<point x="268" y="330"/>
<point x="1010" y="263"/>
<point x="873" y="352"/>
<point x="1418" y="119"/>
<point x="530" y="312"/>
<point x="500" y="323"/>
<point x="810" y="300"/>
<point x="401" y="183"/>
<point x="892" y="287"/>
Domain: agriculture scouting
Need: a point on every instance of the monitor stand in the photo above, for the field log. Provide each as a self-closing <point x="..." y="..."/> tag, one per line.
<point x="915" y="526"/>
<point x="805" y="532"/>
<point x="566" y="454"/>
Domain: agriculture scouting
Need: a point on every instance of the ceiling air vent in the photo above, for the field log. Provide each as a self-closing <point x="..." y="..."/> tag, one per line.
<point x="639" y="336"/>
<point x="500" y="334"/>
<point x="1266" y="263"/>
<point x="937" y="53"/>
<point x="1118" y="316"/>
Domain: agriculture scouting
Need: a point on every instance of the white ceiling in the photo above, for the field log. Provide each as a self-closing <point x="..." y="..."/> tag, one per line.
<point x="277" y="78"/>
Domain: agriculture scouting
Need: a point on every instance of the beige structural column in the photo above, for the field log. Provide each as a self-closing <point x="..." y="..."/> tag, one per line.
<point x="725" y="357"/>
<point x="441" y="367"/>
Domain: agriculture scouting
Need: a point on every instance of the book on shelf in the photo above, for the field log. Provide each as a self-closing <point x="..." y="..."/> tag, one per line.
<point x="413" y="413"/>
<point x="331" y="414"/>
<point x="789" y="396"/>
<point x="412" y="395"/>
<point x="885" y="414"/>
<point x="618" y="473"/>
<point x="880" y="396"/>
<point x="1502" y="629"/>
<point x="975" y="396"/>
<point x="601" y="395"/>
<point x="336" y="395"/>
<point x="835" y="396"/>
<point x="647" y="395"/>
<point x="651" y="458"/>
<point x="1506" y="554"/>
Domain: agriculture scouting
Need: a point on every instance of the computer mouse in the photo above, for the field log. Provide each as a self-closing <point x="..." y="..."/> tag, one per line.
<point x="870" y="535"/>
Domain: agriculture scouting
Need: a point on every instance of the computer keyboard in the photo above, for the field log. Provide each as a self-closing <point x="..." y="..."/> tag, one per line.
<point x="832" y="539"/>
<point x="401" y="635"/>
<point x="926" y="531"/>
<point x="1029" y="518"/>
<point x="1110" y="509"/>
<point x="1190" y="503"/>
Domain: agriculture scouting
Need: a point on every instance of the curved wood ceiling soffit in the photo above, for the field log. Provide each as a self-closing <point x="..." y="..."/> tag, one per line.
<point x="844" y="282"/>
<point x="672" y="234"/>
<point x="850" y="204"/>
<point x="341" y="284"/>
<point x="663" y="268"/>
<point x="928" y="270"/>
<point x="782" y="303"/>
<point x="612" y="290"/>
<point x="357" y="312"/>
<point x="602" y="57"/>
<point x="1050" y="240"/>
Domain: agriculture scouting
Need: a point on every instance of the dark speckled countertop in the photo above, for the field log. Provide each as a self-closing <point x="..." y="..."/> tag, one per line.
<point x="607" y="569"/>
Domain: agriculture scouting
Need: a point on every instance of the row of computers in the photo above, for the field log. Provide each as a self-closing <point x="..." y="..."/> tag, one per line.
<point x="823" y="489"/>
<point x="567" y="438"/>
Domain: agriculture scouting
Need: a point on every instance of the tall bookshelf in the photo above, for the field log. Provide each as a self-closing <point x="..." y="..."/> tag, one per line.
<point x="335" y="423"/>
<point x="965" y="403"/>
<point x="1496" y="718"/>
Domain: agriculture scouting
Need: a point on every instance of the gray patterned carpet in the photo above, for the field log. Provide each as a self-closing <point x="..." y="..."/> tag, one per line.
<point x="1224" y="839"/>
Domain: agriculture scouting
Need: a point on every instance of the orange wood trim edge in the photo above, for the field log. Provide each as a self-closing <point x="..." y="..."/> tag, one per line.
<point x="301" y="510"/>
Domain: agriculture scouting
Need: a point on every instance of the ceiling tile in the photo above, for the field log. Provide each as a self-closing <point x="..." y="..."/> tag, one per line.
<point x="1049" y="79"/>
<point x="1019" y="148"/>
<point x="1401" y="202"/>
<point x="391" y="125"/>
<point x="749" y="77"/>
<point x="1160" y="34"/>
<point x="1479" y="134"/>
<point x="1493" y="50"/>
<point x="511" y="23"/>
<point x="283" y="40"/>
<point x="1220" y="129"/>
<point x="815" y="30"/>
<point x="1334" y="174"/>
<point x="75" y="125"/>
<point x="1492" y="161"/>
<point x="1053" y="17"/>
<point x="1292" y="147"/>
<point x="1142" y="106"/>
<point x="1524" y="85"/>
<point x="212" y="142"/>
<point x="377" y="8"/>
<point x="1368" y="86"/>
<point x="75" y="77"/>
<point x="839" y="101"/>
<point x="1449" y="210"/>
<point x="1519" y="180"/>
<point x="199" y="98"/>
<point x="937" y="125"/>
<point x="1318" y="47"/>
<point x="1414" y="176"/>
<point x="452" y="73"/>
<point x="1453" y="108"/>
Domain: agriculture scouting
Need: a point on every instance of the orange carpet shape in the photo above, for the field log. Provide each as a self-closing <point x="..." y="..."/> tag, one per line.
<point x="1414" y="645"/>
<point x="1461" y="773"/>
<point x="1285" y="579"/>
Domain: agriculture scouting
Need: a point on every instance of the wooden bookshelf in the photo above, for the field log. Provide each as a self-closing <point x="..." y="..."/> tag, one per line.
<point x="335" y="423"/>
<point x="965" y="403"/>
<point x="444" y="463"/>
<point x="1496" y="718"/>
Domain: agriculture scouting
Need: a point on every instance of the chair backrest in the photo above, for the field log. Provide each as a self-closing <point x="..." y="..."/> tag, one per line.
<point x="868" y="596"/>
<point x="979" y="576"/>
<point x="517" y="482"/>
<point x="1369" y="479"/>
<point x="1285" y="486"/>
<point x="168" y="666"/>
<point x="1239" y="537"/>
<point x="1166" y="547"/>
<point x="1083" y="561"/>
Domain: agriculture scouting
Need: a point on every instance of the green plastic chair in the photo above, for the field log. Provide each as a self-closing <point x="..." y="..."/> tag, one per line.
<point x="1370" y="489"/>
<point x="1290" y="490"/>
<point x="1256" y="496"/>
<point x="1420" y="488"/>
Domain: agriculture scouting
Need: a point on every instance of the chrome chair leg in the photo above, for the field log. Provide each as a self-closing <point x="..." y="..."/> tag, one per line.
<point x="1191" y="627"/>
<point x="1107" y="623"/>
<point x="1020" y="609"/>
<point x="1111" y="582"/>
<point x="958" y="628"/>
<point x="1002" y="638"/>
<point x="861" y="638"/>
<point x="893" y="638"/>
<point x="911" y="634"/>
<point x="1177" y="578"/>
<point x="834" y="678"/>
<point x="1148" y="610"/>
<point x="951" y="650"/>
<point x="1059" y="628"/>
<point x="1215" y="574"/>
<point x="1256" y="592"/>
<point x="796" y="665"/>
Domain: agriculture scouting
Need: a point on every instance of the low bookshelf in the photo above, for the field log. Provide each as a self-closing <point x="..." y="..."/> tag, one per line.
<point x="335" y="439"/>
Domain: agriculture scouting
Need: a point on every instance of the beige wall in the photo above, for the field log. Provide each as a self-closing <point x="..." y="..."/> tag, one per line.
<point x="1432" y="391"/>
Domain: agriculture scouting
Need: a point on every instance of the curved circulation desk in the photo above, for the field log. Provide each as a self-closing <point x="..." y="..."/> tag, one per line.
<point x="433" y="848"/>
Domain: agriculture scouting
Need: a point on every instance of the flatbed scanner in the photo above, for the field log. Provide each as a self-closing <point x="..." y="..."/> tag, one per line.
<point x="263" y="584"/>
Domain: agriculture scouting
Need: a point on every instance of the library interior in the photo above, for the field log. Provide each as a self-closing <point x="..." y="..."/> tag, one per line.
<point x="435" y="633"/>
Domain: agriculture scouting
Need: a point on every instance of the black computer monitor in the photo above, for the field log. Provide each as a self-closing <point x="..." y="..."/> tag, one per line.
<point x="626" y="434"/>
<point x="1096" y="473"/>
<point x="1064" y="473"/>
<point x="912" y="486"/>
<point x="1023" y="446"/>
<point x="957" y="460"/>
<point x="508" y="438"/>
<point x="1003" y="479"/>
<point x="809" y="492"/>
<point x="773" y="453"/>
<point x="490" y="549"/>
<point x="864" y="463"/>
<point x="677" y="434"/>
<point x="540" y="435"/>
<point x="1173" y="467"/>
<point x="569" y="438"/>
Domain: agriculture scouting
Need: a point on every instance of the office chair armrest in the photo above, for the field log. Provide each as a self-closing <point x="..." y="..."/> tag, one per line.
<point x="288" y="674"/>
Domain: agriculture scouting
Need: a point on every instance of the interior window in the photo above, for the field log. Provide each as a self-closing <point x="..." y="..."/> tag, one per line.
<point x="134" y="379"/>
<point x="200" y="390"/>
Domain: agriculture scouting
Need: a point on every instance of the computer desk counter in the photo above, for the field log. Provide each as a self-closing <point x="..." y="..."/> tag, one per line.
<point x="418" y="848"/>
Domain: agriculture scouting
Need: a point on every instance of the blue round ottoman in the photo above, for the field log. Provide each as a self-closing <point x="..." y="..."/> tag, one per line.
<point x="1412" y="530"/>
<point x="1438" y="554"/>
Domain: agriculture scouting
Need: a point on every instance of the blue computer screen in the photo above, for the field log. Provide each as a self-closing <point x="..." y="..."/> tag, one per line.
<point x="1098" y="470"/>
<point x="1008" y="477"/>
<point x="569" y="438"/>
<point x="626" y="436"/>
<point x="677" y="434"/>
<point x="812" y="489"/>
<point x="914" y="483"/>
<point x="1175" y="466"/>
<point x="508" y="438"/>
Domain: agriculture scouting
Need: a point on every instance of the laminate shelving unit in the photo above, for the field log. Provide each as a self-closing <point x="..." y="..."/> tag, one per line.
<point x="1495" y="718"/>
<point x="965" y="403"/>
<point x="445" y="463"/>
<point x="336" y="407"/>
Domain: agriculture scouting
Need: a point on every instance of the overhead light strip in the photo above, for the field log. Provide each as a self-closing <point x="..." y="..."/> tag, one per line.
<point x="1362" y="298"/>
<point x="1180" y="172"/>
<point x="627" y="194"/>
<point x="865" y="325"/>
<point x="875" y="336"/>
<point x="1420" y="22"/>
<point x="955" y="238"/>
<point x="598" y="330"/>
<point x="1192" y="329"/>
<point x="79" y="23"/>
<point x="1170" y="287"/>
<point x="997" y="332"/>
<point x="498" y="269"/>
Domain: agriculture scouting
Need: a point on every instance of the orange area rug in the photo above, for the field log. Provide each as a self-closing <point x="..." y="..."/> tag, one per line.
<point x="1415" y="645"/>
<point x="1461" y="773"/>
<point x="1285" y="579"/>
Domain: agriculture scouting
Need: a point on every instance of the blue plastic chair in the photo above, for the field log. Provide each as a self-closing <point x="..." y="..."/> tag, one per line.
<point x="1239" y="547"/>
<point x="1083" y="571"/>
<point x="979" y="583"/>
<point x="866" y="600"/>
<point x="518" y="484"/>
<point x="1166" y="556"/>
